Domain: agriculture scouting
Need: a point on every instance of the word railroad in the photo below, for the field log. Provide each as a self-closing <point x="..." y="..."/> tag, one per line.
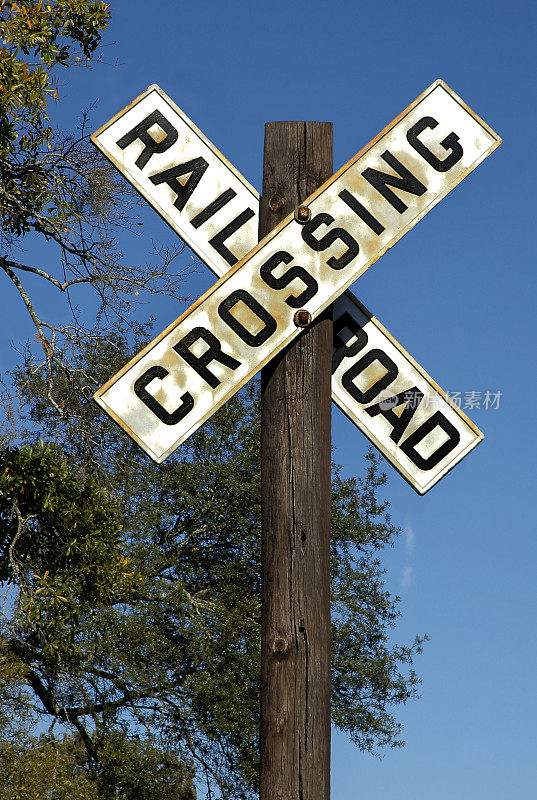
<point x="306" y="263"/>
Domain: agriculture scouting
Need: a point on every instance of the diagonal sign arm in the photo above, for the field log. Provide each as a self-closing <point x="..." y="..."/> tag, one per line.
<point x="334" y="258"/>
<point x="193" y="187"/>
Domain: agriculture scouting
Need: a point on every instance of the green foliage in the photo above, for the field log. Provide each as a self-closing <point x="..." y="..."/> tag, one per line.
<point x="44" y="768"/>
<point x="61" y="546"/>
<point x="38" y="35"/>
<point x="134" y="769"/>
<point x="181" y="658"/>
<point x="364" y="662"/>
<point x="57" y="768"/>
<point x="60" y="541"/>
<point x="16" y="709"/>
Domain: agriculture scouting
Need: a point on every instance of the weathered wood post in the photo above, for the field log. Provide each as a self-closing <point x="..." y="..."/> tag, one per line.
<point x="295" y="476"/>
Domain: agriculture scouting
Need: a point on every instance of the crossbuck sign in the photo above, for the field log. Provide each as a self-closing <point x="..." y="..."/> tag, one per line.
<point x="174" y="384"/>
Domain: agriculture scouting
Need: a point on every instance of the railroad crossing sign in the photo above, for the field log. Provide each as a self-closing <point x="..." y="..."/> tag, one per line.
<point x="198" y="362"/>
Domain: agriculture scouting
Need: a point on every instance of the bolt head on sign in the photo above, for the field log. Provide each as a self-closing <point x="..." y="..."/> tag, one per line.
<point x="192" y="368"/>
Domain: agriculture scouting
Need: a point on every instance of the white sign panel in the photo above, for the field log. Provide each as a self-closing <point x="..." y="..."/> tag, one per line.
<point x="189" y="371"/>
<point x="393" y="401"/>
<point x="184" y="177"/>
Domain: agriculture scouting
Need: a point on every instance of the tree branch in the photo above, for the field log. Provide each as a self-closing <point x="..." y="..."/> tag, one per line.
<point x="52" y="707"/>
<point x="26" y="300"/>
<point x="42" y="274"/>
<point x="21" y="525"/>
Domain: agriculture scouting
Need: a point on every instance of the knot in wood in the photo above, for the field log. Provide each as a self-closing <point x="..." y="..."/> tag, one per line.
<point x="276" y="202"/>
<point x="280" y="646"/>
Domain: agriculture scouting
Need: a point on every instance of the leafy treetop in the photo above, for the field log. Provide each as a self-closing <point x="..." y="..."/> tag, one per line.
<point x="60" y="545"/>
<point x="37" y="36"/>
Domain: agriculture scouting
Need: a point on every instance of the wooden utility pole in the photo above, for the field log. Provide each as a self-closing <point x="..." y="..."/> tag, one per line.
<point x="295" y="478"/>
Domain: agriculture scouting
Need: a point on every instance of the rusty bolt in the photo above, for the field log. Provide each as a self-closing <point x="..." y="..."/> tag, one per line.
<point x="302" y="318"/>
<point x="279" y="646"/>
<point x="302" y="214"/>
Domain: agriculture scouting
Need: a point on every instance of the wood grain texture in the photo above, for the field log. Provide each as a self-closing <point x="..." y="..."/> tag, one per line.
<point x="295" y="477"/>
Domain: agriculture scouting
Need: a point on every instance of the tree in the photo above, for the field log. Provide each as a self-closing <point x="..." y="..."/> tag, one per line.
<point x="132" y="768"/>
<point x="56" y="190"/>
<point x="131" y="612"/>
<point x="61" y="551"/>
<point x="178" y="660"/>
<point x="57" y="768"/>
<point x="39" y="768"/>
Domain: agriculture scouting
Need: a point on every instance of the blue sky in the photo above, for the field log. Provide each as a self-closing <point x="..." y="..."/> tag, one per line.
<point x="458" y="292"/>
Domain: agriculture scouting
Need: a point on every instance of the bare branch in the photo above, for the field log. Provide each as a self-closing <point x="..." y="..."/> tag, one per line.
<point x="21" y="528"/>
<point x="26" y="300"/>
<point x="42" y="274"/>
